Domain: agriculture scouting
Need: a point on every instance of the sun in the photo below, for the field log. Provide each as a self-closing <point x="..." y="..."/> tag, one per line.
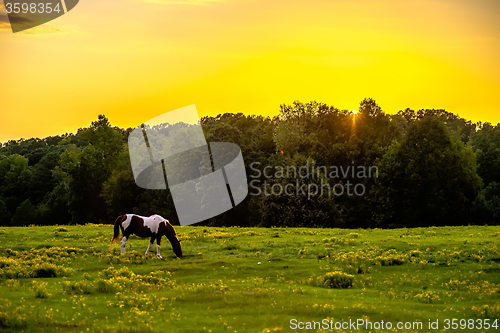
<point x="354" y="112"/>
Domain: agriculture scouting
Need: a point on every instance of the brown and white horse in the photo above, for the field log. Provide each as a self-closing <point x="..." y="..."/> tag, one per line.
<point x="153" y="226"/>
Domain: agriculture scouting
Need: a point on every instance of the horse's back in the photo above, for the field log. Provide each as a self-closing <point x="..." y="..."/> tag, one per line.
<point x="143" y="226"/>
<point x="134" y="224"/>
<point x="153" y="222"/>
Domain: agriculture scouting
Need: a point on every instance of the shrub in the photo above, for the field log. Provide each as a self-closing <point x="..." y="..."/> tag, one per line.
<point x="10" y="268"/>
<point x="77" y="287"/>
<point x="13" y="284"/>
<point x="336" y="280"/>
<point x="416" y="253"/>
<point x="12" y="320"/>
<point x="390" y="258"/>
<point x="487" y="311"/>
<point x="45" y="271"/>
<point x="40" y="289"/>
<point x="130" y="257"/>
<point x="429" y="297"/>
<point x="113" y="272"/>
<point x="6" y="262"/>
<point x="41" y="292"/>
<point x="105" y="286"/>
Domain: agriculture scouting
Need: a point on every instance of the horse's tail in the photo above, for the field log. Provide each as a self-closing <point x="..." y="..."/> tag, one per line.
<point x="116" y="236"/>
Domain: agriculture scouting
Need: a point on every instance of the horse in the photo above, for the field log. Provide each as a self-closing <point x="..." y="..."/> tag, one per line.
<point x="153" y="226"/>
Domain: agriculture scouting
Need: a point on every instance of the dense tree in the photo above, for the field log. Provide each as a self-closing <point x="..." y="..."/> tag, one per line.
<point x="254" y="134"/>
<point x="4" y="214"/>
<point x="458" y="126"/>
<point x="427" y="178"/>
<point x="486" y="207"/>
<point x="26" y="214"/>
<point x="293" y="194"/>
<point x="89" y="168"/>
<point x="486" y="144"/>
<point x="120" y="192"/>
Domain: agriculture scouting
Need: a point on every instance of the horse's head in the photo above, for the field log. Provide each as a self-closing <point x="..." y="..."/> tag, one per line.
<point x="176" y="246"/>
<point x="172" y="237"/>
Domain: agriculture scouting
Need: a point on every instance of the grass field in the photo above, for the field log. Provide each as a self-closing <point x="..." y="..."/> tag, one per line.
<point x="64" y="278"/>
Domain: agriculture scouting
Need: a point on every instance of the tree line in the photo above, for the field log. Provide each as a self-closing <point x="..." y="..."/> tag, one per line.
<point x="433" y="168"/>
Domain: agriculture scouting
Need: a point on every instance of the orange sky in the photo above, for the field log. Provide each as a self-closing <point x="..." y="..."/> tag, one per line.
<point x="135" y="59"/>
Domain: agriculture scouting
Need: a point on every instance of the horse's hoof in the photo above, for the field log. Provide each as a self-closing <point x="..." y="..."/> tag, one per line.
<point x="159" y="257"/>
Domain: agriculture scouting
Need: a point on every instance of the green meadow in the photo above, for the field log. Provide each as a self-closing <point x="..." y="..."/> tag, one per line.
<point x="67" y="279"/>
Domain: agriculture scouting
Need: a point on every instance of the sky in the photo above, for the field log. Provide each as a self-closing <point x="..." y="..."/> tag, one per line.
<point x="133" y="60"/>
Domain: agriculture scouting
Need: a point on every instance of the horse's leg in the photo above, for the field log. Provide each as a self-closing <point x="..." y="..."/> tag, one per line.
<point x="150" y="244"/>
<point x="124" y="240"/>
<point x="158" y="241"/>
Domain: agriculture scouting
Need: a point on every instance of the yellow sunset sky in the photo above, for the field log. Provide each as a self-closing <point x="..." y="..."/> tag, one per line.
<point x="135" y="59"/>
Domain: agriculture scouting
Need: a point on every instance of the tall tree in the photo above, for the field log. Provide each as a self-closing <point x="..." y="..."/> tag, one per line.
<point x="428" y="178"/>
<point x="89" y="168"/>
<point x="486" y="144"/>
